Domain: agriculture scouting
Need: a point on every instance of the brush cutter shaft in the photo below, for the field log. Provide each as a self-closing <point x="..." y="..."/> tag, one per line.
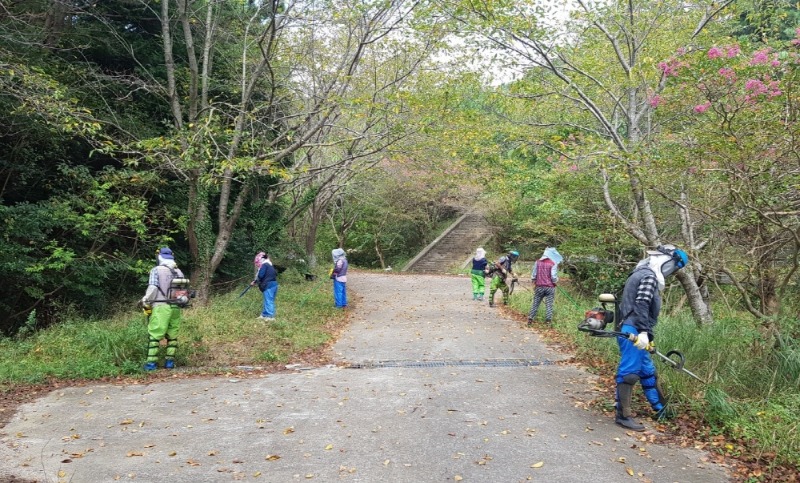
<point x="678" y="365"/>
<point x="675" y="364"/>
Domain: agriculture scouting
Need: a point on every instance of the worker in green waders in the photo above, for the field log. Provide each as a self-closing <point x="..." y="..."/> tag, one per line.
<point x="502" y="276"/>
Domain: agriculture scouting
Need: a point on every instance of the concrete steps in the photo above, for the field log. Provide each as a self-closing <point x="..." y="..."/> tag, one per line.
<point x="453" y="248"/>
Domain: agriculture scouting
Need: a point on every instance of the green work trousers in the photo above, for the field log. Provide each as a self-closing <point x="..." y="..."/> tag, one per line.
<point x="165" y="321"/>
<point x="498" y="282"/>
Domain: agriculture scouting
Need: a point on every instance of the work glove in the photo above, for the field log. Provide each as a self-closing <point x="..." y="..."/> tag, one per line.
<point x="642" y="341"/>
<point x="146" y="308"/>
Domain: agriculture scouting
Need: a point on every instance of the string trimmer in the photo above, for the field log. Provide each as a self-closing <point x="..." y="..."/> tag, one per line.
<point x="595" y="325"/>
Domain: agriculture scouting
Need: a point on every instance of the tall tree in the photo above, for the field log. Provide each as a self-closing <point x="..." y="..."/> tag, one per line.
<point x="373" y="119"/>
<point x="601" y="64"/>
<point x="221" y="142"/>
<point x="733" y="118"/>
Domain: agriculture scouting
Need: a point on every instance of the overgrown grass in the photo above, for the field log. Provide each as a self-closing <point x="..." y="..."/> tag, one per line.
<point x="223" y="334"/>
<point x="753" y="395"/>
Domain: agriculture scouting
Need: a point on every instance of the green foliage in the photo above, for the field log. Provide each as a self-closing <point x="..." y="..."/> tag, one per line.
<point x="225" y="334"/>
<point x="392" y="226"/>
<point x="737" y="176"/>
<point x="593" y="276"/>
<point x="73" y="350"/>
<point x="766" y="20"/>
<point x="751" y="399"/>
<point x="73" y="245"/>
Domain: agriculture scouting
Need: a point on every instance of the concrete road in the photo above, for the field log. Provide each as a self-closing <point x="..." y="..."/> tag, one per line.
<point x="428" y="387"/>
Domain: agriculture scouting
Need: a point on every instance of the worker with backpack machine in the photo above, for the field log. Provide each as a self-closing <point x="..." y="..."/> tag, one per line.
<point x="503" y="276"/>
<point x="636" y="316"/>
<point x="167" y="293"/>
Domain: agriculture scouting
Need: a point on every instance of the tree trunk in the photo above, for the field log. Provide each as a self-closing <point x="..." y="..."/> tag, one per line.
<point x="55" y="23"/>
<point x="200" y="234"/>
<point x="770" y="303"/>
<point x="701" y="310"/>
<point x="379" y="253"/>
<point x="311" y="238"/>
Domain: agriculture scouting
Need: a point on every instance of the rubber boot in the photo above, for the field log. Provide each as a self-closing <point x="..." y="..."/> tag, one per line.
<point x="624" y="419"/>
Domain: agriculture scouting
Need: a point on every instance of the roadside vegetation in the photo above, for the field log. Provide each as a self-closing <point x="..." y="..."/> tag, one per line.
<point x="604" y="130"/>
<point x="219" y="337"/>
<point x="750" y="408"/>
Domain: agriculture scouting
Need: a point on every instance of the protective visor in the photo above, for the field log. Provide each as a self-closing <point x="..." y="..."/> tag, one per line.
<point x="678" y="260"/>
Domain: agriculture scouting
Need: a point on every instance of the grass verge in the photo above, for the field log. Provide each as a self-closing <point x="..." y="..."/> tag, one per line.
<point x="226" y="333"/>
<point x="750" y="408"/>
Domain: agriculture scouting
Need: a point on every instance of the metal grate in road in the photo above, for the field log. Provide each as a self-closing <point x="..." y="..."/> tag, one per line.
<point x="450" y="363"/>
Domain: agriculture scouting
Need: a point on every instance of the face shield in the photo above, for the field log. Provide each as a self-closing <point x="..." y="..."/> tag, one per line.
<point x="513" y="256"/>
<point x="677" y="259"/>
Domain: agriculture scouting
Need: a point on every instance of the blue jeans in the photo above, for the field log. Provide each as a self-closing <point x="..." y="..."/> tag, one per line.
<point x="339" y="294"/>
<point x="637" y="361"/>
<point x="269" y="299"/>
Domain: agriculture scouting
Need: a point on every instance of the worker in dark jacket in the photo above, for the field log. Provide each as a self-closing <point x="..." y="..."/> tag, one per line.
<point x="267" y="281"/>
<point x="640" y="306"/>
<point x="502" y="276"/>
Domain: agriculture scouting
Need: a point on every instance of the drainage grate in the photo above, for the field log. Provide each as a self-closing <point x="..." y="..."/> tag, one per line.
<point x="451" y="363"/>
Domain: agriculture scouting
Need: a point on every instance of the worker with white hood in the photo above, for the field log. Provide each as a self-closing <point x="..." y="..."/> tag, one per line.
<point x="640" y="307"/>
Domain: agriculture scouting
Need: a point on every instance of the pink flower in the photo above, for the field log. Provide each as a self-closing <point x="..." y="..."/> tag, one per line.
<point x="756" y="86"/>
<point x="701" y="108"/>
<point x="656" y="101"/>
<point x="682" y="50"/>
<point x="573" y="168"/>
<point x="776" y="63"/>
<point x="760" y="57"/>
<point x="714" y="53"/>
<point x="733" y="51"/>
<point x="670" y="68"/>
<point x="728" y="73"/>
